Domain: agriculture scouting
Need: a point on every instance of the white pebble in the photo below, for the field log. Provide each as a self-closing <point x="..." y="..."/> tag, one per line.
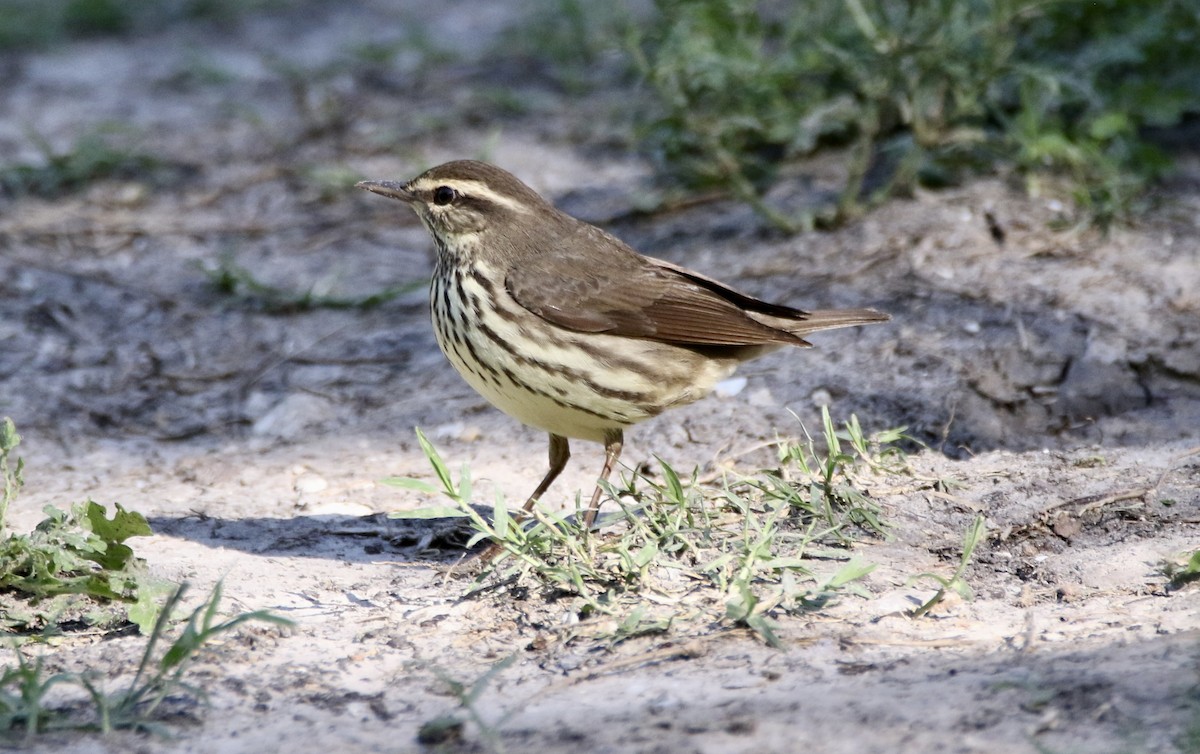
<point x="730" y="387"/>
<point x="310" y="483"/>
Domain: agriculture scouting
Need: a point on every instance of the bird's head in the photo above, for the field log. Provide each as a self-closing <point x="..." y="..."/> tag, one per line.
<point x="465" y="202"/>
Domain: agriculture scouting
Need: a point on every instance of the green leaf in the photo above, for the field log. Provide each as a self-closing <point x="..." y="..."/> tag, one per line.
<point x="464" y="485"/>
<point x="435" y="511"/>
<point x="764" y="627"/>
<point x="435" y="460"/>
<point x="784" y="563"/>
<point x="482" y="682"/>
<point x="891" y="436"/>
<point x="408" y="483"/>
<point x="741" y="603"/>
<point x="9" y="439"/>
<point x="852" y="571"/>
<point x="646" y="554"/>
<point x="123" y="525"/>
<point x="831" y="438"/>
<point x="144" y="613"/>
<point x="1110" y="125"/>
<point x="111" y="557"/>
<point x="674" y="487"/>
<point x="500" y="519"/>
<point x="476" y="539"/>
<point x="1182" y="576"/>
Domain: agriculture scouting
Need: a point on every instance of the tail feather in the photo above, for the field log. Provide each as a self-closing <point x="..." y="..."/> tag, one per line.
<point x="823" y="319"/>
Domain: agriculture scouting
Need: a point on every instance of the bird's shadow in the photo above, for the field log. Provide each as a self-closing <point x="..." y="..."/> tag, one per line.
<point x="355" y="539"/>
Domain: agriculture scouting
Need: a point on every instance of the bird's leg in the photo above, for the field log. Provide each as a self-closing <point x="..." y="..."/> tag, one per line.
<point x="613" y="440"/>
<point x="560" y="453"/>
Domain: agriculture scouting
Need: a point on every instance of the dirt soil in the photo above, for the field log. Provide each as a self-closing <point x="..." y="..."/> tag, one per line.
<point x="1054" y="374"/>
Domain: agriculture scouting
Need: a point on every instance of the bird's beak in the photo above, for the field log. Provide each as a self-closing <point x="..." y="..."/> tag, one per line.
<point x="390" y="189"/>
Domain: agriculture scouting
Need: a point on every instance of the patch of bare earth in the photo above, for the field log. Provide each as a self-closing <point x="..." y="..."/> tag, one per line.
<point x="1055" y="376"/>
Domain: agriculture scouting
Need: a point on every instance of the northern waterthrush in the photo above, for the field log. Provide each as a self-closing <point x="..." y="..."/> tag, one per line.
<point x="565" y="328"/>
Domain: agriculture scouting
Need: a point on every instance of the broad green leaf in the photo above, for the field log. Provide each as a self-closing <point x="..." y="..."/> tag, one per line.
<point x="123" y="525"/>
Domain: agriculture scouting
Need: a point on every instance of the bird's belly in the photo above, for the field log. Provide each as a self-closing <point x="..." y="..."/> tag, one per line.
<point x="578" y="385"/>
<point x="565" y="395"/>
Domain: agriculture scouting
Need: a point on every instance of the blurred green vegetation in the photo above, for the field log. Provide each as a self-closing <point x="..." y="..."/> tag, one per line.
<point x="104" y="152"/>
<point x="924" y="92"/>
<point x="36" y="23"/>
<point x="927" y="91"/>
<point x="1065" y="96"/>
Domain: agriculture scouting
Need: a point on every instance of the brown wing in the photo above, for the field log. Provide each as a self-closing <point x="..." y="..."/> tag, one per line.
<point x="627" y="294"/>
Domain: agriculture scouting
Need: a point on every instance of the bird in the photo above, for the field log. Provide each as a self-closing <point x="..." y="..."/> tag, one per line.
<point x="568" y="329"/>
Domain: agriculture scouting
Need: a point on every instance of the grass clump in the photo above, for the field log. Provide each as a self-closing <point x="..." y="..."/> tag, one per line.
<point x="774" y="542"/>
<point x="228" y="278"/>
<point x="955" y="583"/>
<point x="1182" y="571"/>
<point x="94" y="157"/>
<point x="74" y="571"/>
<point x="447" y="729"/>
<point x="27" y="689"/>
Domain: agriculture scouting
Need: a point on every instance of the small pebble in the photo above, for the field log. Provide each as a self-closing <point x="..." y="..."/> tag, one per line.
<point x="310" y="483"/>
<point x="730" y="387"/>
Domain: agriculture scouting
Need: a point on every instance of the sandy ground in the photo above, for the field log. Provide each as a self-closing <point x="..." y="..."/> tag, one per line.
<point x="1054" y="376"/>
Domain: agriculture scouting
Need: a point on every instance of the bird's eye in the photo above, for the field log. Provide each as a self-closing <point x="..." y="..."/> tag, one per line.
<point x="443" y="195"/>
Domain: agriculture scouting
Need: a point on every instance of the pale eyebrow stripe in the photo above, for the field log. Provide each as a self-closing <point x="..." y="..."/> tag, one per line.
<point x="474" y="189"/>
